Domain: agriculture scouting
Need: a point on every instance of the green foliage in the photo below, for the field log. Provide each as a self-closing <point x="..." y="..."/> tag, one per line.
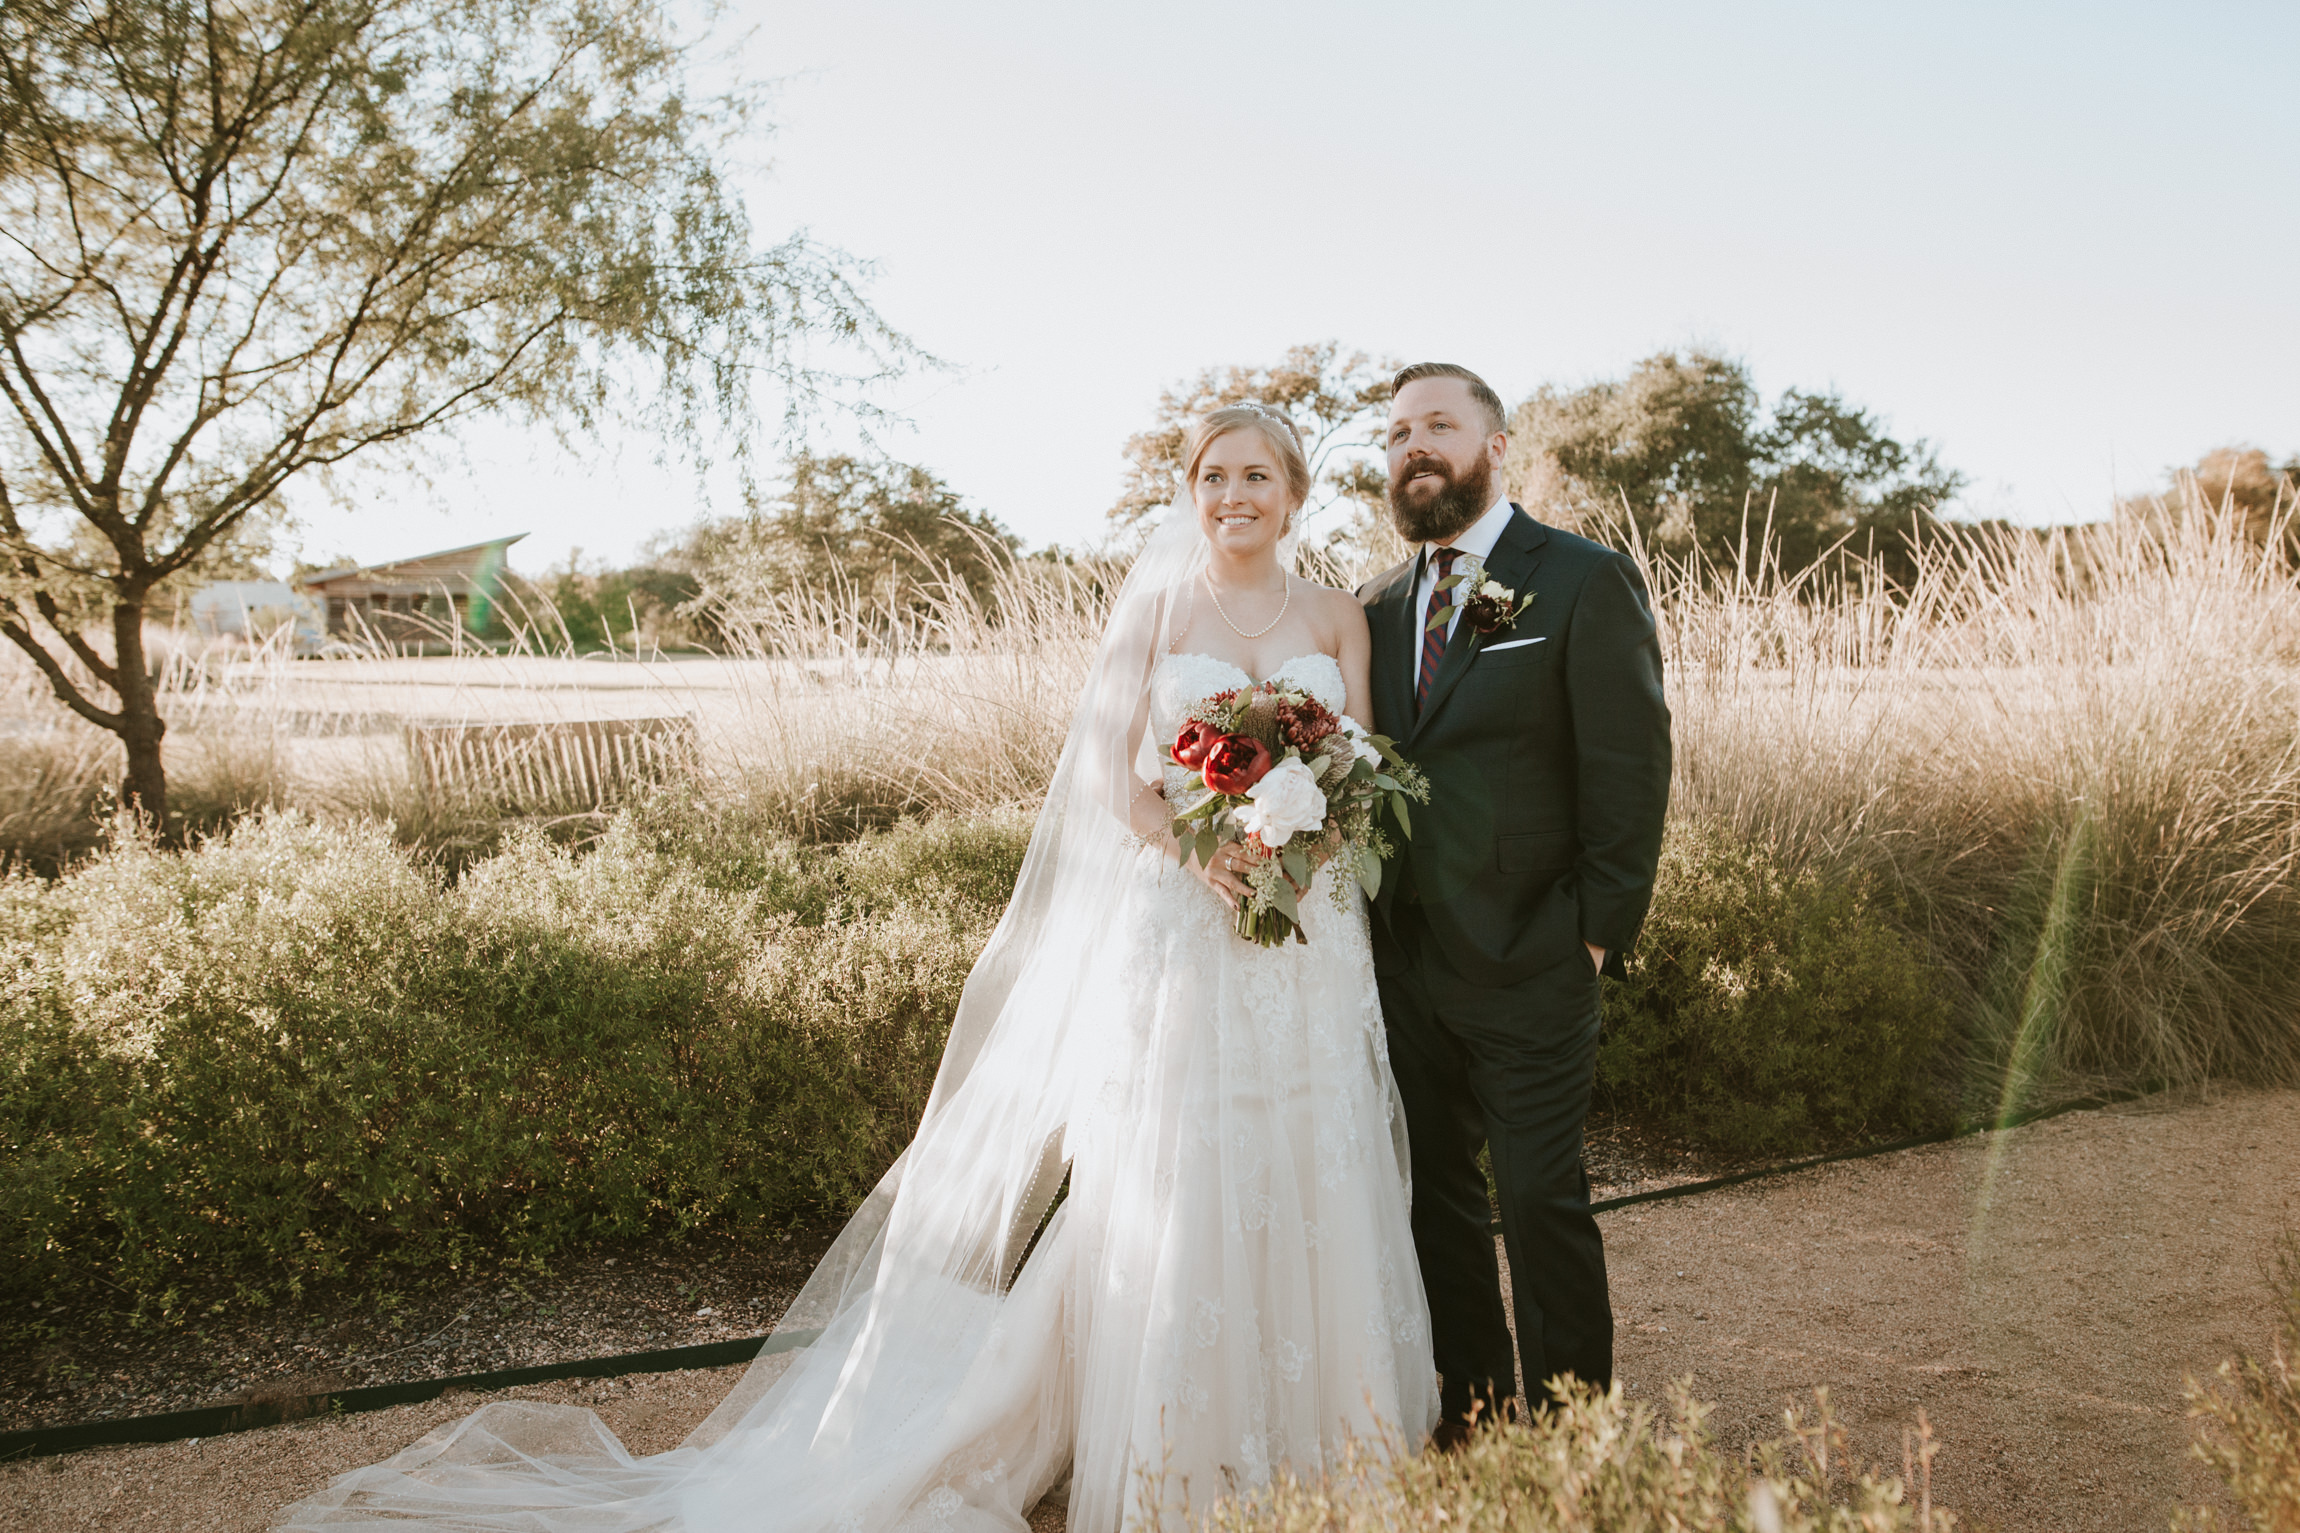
<point x="294" y="1051"/>
<point x="1597" y="1465"/>
<point x="2256" y="1411"/>
<point x="883" y="530"/>
<point x="632" y="610"/>
<point x="1686" y="444"/>
<point x="1771" y="1011"/>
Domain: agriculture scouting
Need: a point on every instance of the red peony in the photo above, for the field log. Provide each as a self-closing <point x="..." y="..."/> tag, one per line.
<point x="1302" y="725"/>
<point x="1192" y="744"/>
<point x="1236" y="763"/>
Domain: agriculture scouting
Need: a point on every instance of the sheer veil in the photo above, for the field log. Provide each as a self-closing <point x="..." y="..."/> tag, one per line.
<point x="959" y="1208"/>
<point x="885" y="1340"/>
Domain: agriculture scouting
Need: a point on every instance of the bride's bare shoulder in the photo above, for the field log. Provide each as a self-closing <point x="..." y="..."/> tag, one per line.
<point x="1326" y="593"/>
<point x="1338" y="608"/>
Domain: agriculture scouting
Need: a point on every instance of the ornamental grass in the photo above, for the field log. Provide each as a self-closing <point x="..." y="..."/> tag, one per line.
<point x="1595" y="1465"/>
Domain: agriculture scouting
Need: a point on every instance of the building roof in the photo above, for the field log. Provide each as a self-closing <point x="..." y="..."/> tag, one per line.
<point x="422" y="572"/>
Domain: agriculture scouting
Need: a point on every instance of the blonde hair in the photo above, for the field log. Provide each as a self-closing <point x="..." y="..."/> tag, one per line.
<point x="1278" y="431"/>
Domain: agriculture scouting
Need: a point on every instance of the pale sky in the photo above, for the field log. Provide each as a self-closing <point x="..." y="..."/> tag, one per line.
<point x="2056" y="240"/>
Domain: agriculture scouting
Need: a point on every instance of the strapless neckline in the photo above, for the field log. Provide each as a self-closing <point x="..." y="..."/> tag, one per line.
<point x="1314" y="654"/>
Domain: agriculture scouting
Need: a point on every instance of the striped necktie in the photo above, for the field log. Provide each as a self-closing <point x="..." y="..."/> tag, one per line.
<point x="1434" y="636"/>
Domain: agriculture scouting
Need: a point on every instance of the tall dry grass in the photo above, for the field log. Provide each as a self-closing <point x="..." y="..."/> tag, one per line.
<point x="827" y="713"/>
<point x="856" y="710"/>
<point x="59" y="776"/>
<point x="2066" y="763"/>
<point x="2069" y="761"/>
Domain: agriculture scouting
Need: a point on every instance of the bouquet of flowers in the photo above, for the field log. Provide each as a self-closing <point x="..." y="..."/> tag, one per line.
<point x="1295" y="786"/>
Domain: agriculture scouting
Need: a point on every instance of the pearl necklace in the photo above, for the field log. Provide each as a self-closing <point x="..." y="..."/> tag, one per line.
<point x="1286" y="575"/>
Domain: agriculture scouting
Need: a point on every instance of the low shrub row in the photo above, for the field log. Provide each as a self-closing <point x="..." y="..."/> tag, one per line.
<point x="295" y="1048"/>
<point x="1770" y="1011"/>
<point x="298" y="1049"/>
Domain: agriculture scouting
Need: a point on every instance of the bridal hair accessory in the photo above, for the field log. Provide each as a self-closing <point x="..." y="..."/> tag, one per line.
<point x="1274" y="622"/>
<point x="1268" y="414"/>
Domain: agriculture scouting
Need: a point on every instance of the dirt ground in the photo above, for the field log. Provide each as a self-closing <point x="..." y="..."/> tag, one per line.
<point x="66" y="1365"/>
<point x="598" y="1303"/>
<point x="2041" y="1293"/>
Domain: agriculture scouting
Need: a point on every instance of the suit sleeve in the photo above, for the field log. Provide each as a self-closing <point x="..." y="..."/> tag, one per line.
<point x="1621" y="744"/>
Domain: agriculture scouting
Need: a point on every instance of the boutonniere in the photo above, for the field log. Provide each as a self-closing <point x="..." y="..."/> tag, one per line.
<point x="1486" y="605"/>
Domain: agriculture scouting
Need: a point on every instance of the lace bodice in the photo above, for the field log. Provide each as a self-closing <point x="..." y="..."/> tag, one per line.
<point x="1183" y="679"/>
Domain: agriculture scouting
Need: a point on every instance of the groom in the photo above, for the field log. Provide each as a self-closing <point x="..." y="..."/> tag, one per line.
<point x="1539" y="719"/>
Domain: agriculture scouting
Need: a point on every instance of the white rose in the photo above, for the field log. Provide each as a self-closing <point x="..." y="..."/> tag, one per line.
<point x="1356" y="733"/>
<point x="1285" y="801"/>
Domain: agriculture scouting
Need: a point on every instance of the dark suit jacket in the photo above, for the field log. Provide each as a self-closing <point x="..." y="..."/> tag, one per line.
<point x="1548" y="762"/>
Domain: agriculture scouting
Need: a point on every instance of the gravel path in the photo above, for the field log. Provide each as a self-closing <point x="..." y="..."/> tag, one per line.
<point x="96" y="1366"/>
<point x="92" y="1365"/>
<point x="2041" y="1293"/>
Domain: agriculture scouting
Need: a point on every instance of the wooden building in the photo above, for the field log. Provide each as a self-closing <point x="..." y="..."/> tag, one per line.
<point x="414" y="601"/>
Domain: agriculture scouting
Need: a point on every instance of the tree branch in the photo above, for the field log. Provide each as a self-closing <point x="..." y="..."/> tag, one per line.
<point x="12" y="624"/>
<point x="103" y="670"/>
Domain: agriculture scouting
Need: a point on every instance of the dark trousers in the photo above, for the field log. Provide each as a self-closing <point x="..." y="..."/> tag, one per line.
<point x="1509" y="1068"/>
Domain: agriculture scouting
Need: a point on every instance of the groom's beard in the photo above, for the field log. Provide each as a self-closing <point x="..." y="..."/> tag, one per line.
<point x="1426" y="517"/>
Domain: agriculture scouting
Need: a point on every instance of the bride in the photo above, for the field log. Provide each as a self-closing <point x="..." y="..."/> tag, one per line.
<point x="1229" y="1283"/>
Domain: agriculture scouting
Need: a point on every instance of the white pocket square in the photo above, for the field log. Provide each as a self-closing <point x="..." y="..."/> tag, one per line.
<point x="1495" y="649"/>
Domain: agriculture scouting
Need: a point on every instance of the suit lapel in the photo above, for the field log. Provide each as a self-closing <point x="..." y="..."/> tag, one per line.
<point x="1396" y="649"/>
<point x="1516" y="554"/>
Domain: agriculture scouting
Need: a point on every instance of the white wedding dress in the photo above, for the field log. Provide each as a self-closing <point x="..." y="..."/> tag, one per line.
<point x="1228" y="1287"/>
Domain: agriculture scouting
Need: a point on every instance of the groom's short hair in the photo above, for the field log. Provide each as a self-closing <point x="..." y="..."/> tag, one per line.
<point x="1497" y="418"/>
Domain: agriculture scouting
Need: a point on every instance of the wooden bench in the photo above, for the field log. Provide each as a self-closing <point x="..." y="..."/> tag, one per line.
<point x="560" y="767"/>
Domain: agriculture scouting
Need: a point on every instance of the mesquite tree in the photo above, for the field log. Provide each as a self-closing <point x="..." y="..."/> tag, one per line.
<point x="239" y="242"/>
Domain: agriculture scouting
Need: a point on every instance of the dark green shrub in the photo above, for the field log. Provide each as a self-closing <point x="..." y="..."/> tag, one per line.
<point x="1768" y="1011"/>
<point x="295" y="1049"/>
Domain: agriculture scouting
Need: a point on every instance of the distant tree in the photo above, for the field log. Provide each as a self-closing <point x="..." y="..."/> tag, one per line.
<point x="636" y="608"/>
<point x="883" y="530"/>
<point x="2240" y="481"/>
<point x="1338" y="401"/>
<point x="1686" y="446"/>
<point x="243" y="241"/>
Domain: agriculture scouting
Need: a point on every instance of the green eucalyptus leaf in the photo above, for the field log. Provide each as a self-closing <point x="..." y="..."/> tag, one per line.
<point x="1370" y="876"/>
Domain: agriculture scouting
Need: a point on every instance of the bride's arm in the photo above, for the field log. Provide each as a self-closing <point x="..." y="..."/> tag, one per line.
<point x="1354" y="655"/>
<point x="1147" y="813"/>
<point x="1152" y="818"/>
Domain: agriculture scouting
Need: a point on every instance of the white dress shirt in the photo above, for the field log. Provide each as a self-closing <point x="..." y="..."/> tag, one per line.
<point x="1475" y="541"/>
